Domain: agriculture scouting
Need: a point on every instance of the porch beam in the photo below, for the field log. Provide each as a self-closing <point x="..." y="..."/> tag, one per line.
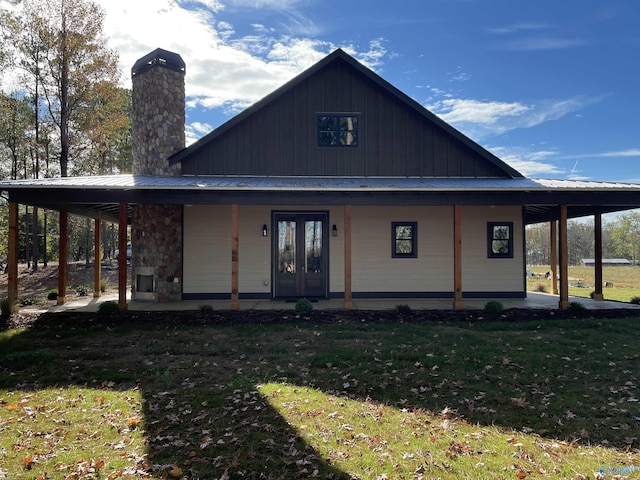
<point x="122" y="257"/>
<point x="97" y="248"/>
<point x="457" y="258"/>
<point x="348" y="294"/>
<point x="62" y="258"/>
<point x="597" y="225"/>
<point x="12" y="258"/>
<point x="553" y="260"/>
<point x="235" y="243"/>
<point x="564" y="259"/>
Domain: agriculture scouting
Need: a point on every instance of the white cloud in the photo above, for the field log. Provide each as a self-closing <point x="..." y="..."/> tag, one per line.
<point x="223" y="69"/>
<point x="458" y="110"/>
<point x="483" y="119"/>
<point x="632" y="152"/>
<point x="628" y="153"/>
<point x="531" y="163"/>
<point x="195" y="130"/>
<point x="519" y="27"/>
<point x="544" y="43"/>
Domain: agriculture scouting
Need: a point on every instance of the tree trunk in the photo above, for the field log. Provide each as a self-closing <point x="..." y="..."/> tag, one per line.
<point x="87" y="247"/>
<point x="34" y="232"/>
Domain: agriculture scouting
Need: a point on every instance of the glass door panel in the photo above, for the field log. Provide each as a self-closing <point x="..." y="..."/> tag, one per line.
<point x="313" y="246"/>
<point x="287" y="246"/>
<point x="300" y="268"/>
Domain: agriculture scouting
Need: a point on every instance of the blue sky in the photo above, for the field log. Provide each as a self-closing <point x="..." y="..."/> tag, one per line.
<point x="549" y="86"/>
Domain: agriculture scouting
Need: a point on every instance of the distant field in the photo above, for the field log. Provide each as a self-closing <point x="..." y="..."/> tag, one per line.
<point x="625" y="281"/>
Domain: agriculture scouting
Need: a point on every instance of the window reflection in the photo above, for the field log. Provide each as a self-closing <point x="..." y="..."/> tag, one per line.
<point x="313" y="246"/>
<point x="338" y="130"/>
<point x="404" y="239"/>
<point x="287" y="246"/>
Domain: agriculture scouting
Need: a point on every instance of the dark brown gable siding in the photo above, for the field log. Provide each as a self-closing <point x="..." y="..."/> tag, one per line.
<point x="279" y="139"/>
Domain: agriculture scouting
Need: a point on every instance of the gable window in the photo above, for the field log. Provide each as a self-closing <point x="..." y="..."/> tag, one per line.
<point x="404" y="237"/>
<point x="500" y="240"/>
<point x="338" y="130"/>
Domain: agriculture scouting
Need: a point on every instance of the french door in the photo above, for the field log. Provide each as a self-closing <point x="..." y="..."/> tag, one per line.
<point x="300" y="255"/>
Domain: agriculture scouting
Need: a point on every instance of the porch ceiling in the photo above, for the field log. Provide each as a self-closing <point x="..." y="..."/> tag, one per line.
<point x="540" y="198"/>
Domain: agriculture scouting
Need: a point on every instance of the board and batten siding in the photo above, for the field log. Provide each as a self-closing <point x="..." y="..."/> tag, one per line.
<point x="279" y="137"/>
<point x="505" y="274"/>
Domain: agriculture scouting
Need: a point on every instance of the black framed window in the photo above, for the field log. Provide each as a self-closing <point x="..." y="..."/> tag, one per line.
<point x="500" y="239"/>
<point x="338" y="130"/>
<point x="404" y="238"/>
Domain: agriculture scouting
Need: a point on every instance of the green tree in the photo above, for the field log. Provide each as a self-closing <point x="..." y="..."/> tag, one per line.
<point x="73" y="61"/>
<point x="15" y="135"/>
<point x="105" y="122"/>
<point x="580" y="240"/>
<point x="625" y="236"/>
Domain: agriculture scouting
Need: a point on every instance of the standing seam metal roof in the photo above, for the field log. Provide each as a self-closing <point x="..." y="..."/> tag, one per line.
<point x="386" y="184"/>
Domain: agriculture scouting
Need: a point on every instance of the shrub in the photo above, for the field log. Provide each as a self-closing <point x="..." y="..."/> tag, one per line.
<point x="403" y="309"/>
<point x="592" y="295"/>
<point x="635" y="300"/>
<point x="5" y="308"/>
<point x="577" y="307"/>
<point x="52" y="295"/>
<point x="541" y="287"/>
<point x="304" y="305"/>
<point x="103" y="286"/>
<point x="108" y="308"/>
<point x="205" y="309"/>
<point x="82" y="291"/>
<point x="26" y="301"/>
<point x="493" y="306"/>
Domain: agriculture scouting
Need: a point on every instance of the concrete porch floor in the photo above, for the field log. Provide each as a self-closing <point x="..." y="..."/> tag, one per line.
<point x="534" y="300"/>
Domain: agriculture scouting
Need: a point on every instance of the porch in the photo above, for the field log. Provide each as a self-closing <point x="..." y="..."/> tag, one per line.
<point x="534" y="300"/>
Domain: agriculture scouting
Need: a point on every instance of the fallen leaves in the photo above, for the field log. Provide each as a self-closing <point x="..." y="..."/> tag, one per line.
<point x="55" y="421"/>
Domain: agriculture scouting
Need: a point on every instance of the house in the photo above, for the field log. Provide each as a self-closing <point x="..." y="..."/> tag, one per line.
<point x="336" y="185"/>
<point x="607" y="262"/>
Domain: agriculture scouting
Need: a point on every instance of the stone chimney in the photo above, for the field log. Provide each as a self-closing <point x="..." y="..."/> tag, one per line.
<point x="158" y="112"/>
<point x="157" y="133"/>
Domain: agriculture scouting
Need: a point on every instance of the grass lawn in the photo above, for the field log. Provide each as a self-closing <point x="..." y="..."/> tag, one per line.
<point x="367" y="400"/>
<point x="625" y="281"/>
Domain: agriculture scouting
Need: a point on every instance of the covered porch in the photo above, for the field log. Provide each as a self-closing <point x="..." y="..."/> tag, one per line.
<point x="113" y="198"/>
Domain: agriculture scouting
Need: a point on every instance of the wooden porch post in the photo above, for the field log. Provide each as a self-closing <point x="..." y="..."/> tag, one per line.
<point x="564" y="259"/>
<point x="553" y="260"/>
<point x="97" y="264"/>
<point x="457" y="258"/>
<point x="12" y="257"/>
<point x="62" y="258"/>
<point x="348" y="299"/>
<point x="597" y="224"/>
<point x="122" y="257"/>
<point x="235" y="298"/>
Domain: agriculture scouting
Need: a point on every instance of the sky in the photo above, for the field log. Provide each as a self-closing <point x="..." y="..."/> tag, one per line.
<point x="549" y="86"/>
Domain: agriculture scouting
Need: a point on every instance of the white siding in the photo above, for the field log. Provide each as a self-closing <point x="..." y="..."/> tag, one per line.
<point x="374" y="269"/>
<point x="207" y="249"/>
<point x="483" y="274"/>
<point x="254" y="250"/>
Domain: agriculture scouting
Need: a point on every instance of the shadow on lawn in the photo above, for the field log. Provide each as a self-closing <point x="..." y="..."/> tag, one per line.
<point x="202" y="409"/>
<point x="202" y="412"/>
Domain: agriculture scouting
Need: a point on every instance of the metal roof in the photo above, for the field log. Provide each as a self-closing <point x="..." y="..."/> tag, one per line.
<point x="539" y="197"/>
<point x="345" y="184"/>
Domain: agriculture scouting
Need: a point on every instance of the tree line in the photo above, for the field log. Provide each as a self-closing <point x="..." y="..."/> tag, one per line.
<point x="62" y="112"/>
<point x="620" y="239"/>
